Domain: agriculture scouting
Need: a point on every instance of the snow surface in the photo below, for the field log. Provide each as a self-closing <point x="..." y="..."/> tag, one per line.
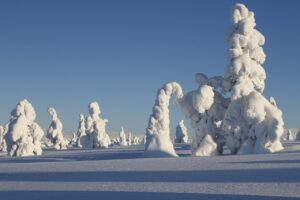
<point x="122" y="173"/>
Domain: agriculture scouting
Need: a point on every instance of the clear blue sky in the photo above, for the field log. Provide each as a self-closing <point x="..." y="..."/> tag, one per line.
<point x="67" y="53"/>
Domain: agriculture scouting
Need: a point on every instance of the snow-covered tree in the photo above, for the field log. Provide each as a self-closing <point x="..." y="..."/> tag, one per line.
<point x="3" y="147"/>
<point x="136" y="140"/>
<point x="23" y="137"/>
<point x="74" y="140"/>
<point x="252" y="123"/>
<point x="81" y="130"/>
<point x="96" y="135"/>
<point x="123" y="139"/>
<point x="55" y="131"/>
<point x="181" y="133"/>
<point x="158" y="141"/>
<point x="205" y="107"/>
<point x="129" y="139"/>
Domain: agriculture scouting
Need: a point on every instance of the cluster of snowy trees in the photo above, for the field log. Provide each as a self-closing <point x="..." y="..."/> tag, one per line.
<point x="129" y="139"/>
<point x="22" y="136"/>
<point x="228" y="110"/>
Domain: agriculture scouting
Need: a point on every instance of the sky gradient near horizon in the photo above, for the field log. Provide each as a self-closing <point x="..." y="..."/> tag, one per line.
<point x="67" y="53"/>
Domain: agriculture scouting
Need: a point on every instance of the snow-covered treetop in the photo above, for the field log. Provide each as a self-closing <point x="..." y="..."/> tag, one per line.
<point x="94" y="110"/>
<point x="24" y="108"/>
<point x="159" y="119"/>
<point x="52" y="113"/>
<point x="244" y="72"/>
<point x="81" y="118"/>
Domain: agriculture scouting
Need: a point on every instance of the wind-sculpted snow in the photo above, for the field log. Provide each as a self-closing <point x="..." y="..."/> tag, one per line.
<point x="95" y="129"/>
<point x="55" y="131"/>
<point x="23" y="137"/>
<point x="158" y="141"/>
<point x="181" y="133"/>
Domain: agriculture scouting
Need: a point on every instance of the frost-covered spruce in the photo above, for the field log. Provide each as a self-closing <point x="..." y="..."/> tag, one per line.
<point x="181" y="135"/>
<point x="23" y="137"/>
<point x="136" y="140"/>
<point x="129" y="139"/>
<point x="81" y="130"/>
<point x="252" y="123"/>
<point x="74" y="140"/>
<point x="96" y="136"/>
<point x="55" y="131"/>
<point x="205" y="107"/>
<point x="3" y="147"/>
<point x="123" y="139"/>
<point x="158" y="141"/>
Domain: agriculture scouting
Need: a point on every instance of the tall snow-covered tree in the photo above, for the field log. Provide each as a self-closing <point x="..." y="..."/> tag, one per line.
<point x="81" y="130"/>
<point x="122" y="137"/>
<point x="181" y="135"/>
<point x="96" y="136"/>
<point x="55" y="131"/>
<point x="129" y="139"/>
<point x="158" y="141"/>
<point x="252" y="123"/>
<point x="23" y="137"/>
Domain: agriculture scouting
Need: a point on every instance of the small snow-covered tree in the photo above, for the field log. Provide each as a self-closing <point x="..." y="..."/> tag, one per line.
<point x="181" y="133"/>
<point x="81" y="130"/>
<point x="158" y="141"/>
<point x="130" y="139"/>
<point x="96" y="135"/>
<point x="3" y="147"/>
<point x="252" y="123"/>
<point x="123" y="139"/>
<point x="23" y="137"/>
<point x="73" y="142"/>
<point x="136" y="140"/>
<point x="55" y="131"/>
